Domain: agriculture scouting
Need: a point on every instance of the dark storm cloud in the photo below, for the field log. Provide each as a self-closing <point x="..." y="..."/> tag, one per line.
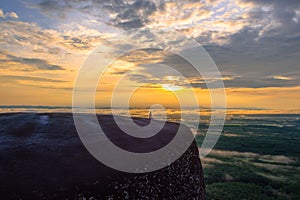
<point x="133" y="15"/>
<point x="120" y="13"/>
<point x="255" y="59"/>
<point x="32" y="63"/>
<point x="259" y="53"/>
<point x="241" y="65"/>
<point x="247" y="82"/>
<point x="284" y="13"/>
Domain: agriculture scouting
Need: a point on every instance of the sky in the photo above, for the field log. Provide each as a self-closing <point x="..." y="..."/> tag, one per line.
<point x="255" y="45"/>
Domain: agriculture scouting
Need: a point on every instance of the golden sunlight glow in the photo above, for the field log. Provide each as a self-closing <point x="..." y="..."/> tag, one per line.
<point x="171" y="87"/>
<point x="145" y="97"/>
<point x="282" y="78"/>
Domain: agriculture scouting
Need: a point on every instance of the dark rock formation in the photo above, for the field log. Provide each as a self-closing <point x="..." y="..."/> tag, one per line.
<point x="42" y="157"/>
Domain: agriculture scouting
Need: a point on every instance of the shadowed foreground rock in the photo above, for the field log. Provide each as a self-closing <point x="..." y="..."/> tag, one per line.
<point x="42" y="157"/>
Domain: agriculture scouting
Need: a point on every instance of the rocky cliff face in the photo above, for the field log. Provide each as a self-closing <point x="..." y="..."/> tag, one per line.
<point x="42" y="157"/>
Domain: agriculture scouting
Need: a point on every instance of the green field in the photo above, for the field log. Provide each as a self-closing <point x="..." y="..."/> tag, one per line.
<point x="255" y="158"/>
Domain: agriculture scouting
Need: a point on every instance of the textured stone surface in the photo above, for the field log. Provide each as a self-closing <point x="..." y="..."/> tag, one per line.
<point x="42" y="157"/>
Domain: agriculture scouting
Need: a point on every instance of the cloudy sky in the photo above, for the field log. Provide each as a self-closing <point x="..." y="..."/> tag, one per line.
<point x="254" y="43"/>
